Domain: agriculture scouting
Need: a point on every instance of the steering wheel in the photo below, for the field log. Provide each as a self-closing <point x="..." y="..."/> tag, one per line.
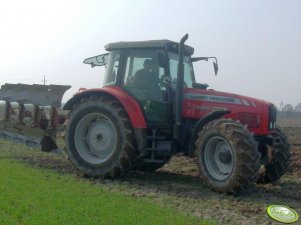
<point x="165" y="81"/>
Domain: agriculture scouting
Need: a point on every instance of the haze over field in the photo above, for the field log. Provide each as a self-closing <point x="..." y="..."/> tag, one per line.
<point x="257" y="42"/>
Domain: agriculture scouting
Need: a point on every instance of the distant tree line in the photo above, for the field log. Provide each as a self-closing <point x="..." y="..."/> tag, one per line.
<point x="289" y="111"/>
<point x="290" y="107"/>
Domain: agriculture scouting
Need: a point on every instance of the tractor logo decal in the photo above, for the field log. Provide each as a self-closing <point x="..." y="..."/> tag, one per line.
<point x="282" y="213"/>
<point x="213" y="98"/>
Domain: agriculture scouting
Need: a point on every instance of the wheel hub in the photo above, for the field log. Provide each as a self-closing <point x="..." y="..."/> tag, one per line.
<point x="95" y="138"/>
<point x="218" y="158"/>
<point x="225" y="157"/>
<point x="99" y="138"/>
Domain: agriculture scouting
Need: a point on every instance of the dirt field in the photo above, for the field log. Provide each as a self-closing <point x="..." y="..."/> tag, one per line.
<point x="177" y="185"/>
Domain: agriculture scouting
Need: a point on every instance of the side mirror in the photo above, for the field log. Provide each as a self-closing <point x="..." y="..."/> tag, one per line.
<point x="215" y="66"/>
<point x="162" y="59"/>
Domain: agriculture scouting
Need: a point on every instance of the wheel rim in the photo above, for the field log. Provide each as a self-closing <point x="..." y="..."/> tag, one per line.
<point x="218" y="158"/>
<point x="95" y="138"/>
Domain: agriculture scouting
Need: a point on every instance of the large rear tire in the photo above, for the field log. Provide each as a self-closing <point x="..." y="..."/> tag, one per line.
<point x="280" y="159"/>
<point x="99" y="138"/>
<point x="227" y="156"/>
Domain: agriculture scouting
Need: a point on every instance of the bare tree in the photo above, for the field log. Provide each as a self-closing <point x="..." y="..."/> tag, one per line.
<point x="298" y="107"/>
<point x="288" y="108"/>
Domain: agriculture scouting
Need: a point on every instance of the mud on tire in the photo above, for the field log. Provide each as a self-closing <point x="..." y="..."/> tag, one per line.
<point x="99" y="137"/>
<point x="281" y="159"/>
<point x="227" y="156"/>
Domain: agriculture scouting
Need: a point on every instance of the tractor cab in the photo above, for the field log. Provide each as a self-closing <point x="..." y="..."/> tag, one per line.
<point x="148" y="70"/>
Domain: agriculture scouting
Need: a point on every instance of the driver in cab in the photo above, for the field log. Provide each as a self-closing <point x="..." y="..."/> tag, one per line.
<point x="146" y="78"/>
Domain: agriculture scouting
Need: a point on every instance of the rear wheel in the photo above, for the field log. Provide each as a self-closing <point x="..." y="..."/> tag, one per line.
<point x="227" y="156"/>
<point x="278" y="161"/>
<point x="99" y="137"/>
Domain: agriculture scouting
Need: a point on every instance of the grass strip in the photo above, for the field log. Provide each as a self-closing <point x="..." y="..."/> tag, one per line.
<point x="39" y="196"/>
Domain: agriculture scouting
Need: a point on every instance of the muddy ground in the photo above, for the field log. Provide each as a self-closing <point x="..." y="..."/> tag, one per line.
<point x="177" y="184"/>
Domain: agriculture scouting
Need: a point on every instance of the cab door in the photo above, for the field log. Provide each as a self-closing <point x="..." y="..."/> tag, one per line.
<point x="142" y="80"/>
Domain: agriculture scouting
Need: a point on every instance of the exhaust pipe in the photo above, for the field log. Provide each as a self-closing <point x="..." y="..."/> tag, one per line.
<point x="179" y="93"/>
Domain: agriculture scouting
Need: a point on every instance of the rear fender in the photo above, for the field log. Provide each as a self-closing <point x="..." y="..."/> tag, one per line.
<point x="130" y="105"/>
<point x="200" y="124"/>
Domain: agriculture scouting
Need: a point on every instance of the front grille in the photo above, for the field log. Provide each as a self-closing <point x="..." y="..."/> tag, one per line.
<point x="252" y="120"/>
<point x="272" y="116"/>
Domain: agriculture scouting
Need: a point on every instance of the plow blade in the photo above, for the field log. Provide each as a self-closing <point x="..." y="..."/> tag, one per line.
<point x="32" y="114"/>
<point x="42" y="95"/>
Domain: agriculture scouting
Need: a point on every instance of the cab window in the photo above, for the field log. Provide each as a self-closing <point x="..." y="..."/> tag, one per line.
<point x="188" y="71"/>
<point x="112" y="68"/>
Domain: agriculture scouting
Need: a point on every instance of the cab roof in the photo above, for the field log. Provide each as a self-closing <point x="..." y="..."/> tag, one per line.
<point x="148" y="44"/>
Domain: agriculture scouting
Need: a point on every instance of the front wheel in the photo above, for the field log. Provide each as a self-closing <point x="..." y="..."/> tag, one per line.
<point x="99" y="138"/>
<point x="227" y="156"/>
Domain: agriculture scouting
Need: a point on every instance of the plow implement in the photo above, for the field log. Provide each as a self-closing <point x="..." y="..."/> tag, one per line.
<point x="31" y="114"/>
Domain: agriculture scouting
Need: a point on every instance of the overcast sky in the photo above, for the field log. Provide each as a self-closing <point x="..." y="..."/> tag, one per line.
<point x="258" y="42"/>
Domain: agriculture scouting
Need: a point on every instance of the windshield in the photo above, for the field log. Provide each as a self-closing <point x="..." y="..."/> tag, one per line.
<point x="188" y="69"/>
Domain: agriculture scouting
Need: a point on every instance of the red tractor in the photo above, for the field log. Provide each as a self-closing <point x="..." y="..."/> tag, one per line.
<point x="151" y="108"/>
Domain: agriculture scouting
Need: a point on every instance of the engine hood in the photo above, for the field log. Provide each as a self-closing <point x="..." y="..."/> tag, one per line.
<point x="219" y="97"/>
<point x="250" y="111"/>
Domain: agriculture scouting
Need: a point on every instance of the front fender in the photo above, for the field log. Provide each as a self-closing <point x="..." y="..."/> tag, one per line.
<point x="201" y="123"/>
<point x="130" y="105"/>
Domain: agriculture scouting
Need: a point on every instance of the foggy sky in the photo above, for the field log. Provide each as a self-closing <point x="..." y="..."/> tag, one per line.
<point x="257" y="42"/>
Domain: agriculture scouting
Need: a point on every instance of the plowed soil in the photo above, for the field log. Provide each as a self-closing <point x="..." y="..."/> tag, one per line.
<point x="177" y="185"/>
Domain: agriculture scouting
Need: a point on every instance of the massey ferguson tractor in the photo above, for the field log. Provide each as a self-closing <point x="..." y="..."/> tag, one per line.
<point x="151" y="107"/>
